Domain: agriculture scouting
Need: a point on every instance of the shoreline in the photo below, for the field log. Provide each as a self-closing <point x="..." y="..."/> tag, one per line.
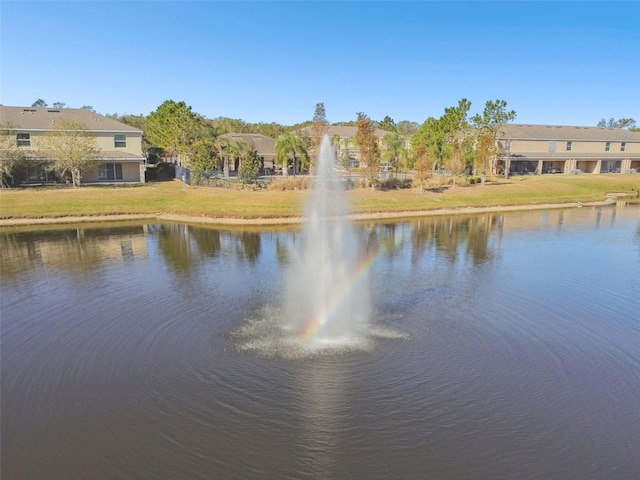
<point x="14" y="222"/>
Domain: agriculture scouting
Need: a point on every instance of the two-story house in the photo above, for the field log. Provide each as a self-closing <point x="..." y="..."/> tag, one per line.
<point x="120" y="159"/>
<point x="541" y="149"/>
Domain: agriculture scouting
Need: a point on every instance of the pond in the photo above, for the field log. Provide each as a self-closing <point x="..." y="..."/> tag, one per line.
<point x="514" y="352"/>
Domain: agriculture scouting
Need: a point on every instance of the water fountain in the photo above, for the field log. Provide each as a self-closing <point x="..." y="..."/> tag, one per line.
<point x="327" y="300"/>
<point x="326" y="305"/>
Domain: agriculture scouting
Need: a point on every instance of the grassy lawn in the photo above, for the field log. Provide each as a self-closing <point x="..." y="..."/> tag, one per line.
<point x="171" y="197"/>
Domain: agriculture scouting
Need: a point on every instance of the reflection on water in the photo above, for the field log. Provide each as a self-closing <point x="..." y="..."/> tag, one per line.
<point x="519" y="359"/>
<point x="184" y="247"/>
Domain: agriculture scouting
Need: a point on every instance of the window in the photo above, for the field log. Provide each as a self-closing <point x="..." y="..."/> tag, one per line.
<point x="110" y="171"/>
<point x="23" y="139"/>
<point x="607" y="147"/>
<point x="39" y="174"/>
<point x="120" y="140"/>
<point x="623" y="147"/>
<point x="552" y="145"/>
<point x="569" y="146"/>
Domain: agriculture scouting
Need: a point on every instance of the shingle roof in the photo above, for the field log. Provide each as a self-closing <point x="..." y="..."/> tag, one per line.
<point x="264" y="145"/>
<point x="32" y="118"/>
<point x="558" y="132"/>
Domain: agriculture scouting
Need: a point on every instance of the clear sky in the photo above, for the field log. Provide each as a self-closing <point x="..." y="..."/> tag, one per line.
<point x="561" y="63"/>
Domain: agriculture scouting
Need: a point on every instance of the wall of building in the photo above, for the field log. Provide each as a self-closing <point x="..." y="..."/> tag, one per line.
<point x="130" y="173"/>
<point x="106" y="142"/>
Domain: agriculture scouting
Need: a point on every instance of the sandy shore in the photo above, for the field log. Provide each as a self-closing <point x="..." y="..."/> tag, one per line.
<point x="611" y="198"/>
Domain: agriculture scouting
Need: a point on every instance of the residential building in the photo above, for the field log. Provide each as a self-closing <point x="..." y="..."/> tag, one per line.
<point x="120" y="159"/>
<point x="542" y="149"/>
<point x="265" y="146"/>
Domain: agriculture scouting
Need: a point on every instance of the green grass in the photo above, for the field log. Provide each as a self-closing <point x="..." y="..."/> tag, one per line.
<point x="172" y="198"/>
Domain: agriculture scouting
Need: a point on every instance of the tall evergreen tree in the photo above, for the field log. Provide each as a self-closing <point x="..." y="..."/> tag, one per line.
<point x="319" y="127"/>
<point x="488" y="125"/>
<point x="173" y="127"/>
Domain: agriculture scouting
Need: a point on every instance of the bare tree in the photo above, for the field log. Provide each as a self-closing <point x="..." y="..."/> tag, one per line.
<point x="12" y="157"/>
<point x="367" y="143"/>
<point x="71" y="148"/>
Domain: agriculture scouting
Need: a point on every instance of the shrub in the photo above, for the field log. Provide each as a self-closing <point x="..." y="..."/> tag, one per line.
<point x="394" y="183"/>
<point x="165" y="171"/>
<point x="298" y="183"/>
<point x="471" y="179"/>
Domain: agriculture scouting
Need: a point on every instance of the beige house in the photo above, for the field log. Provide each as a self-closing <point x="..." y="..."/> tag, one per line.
<point x="121" y="158"/>
<point x="265" y="146"/>
<point x="542" y="149"/>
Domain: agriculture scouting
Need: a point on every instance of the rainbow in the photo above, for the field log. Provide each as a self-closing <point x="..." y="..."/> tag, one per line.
<point x="338" y="297"/>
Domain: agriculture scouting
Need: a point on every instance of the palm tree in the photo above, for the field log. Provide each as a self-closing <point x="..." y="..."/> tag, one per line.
<point x="335" y="140"/>
<point x="394" y="149"/>
<point x="220" y="145"/>
<point x="288" y="146"/>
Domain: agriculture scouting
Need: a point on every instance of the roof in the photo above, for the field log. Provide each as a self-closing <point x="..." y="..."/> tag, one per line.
<point x="32" y="118"/>
<point x="263" y="144"/>
<point x="344" y="131"/>
<point x="559" y="132"/>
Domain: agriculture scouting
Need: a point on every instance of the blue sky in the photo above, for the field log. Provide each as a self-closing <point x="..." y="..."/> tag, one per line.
<point x="563" y="63"/>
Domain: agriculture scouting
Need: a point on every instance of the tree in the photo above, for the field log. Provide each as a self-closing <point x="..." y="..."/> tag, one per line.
<point x="12" y="157"/>
<point x="455" y="126"/>
<point x="88" y="107"/>
<point x="388" y="124"/>
<point x="393" y="149"/>
<point x="430" y="136"/>
<point x="486" y="152"/>
<point x="367" y="143"/>
<point x="71" y="148"/>
<point x="40" y="103"/>
<point x="59" y="104"/>
<point x="291" y="146"/>
<point x="628" y="123"/>
<point x="407" y="128"/>
<point x="250" y="163"/>
<point x="319" y="127"/>
<point x="202" y="159"/>
<point x="173" y="127"/>
<point x="421" y="164"/>
<point x="488" y="125"/>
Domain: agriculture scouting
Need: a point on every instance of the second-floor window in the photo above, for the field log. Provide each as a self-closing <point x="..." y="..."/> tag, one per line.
<point x="607" y="147"/>
<point x="552" y="145"/>
<point x="623" y="147"/>
<point x="569" y="146"/>
<point x="120" y="140"/>
<point x="23" y="139"/>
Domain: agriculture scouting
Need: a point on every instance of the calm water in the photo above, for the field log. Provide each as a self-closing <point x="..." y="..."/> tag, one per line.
<point x="127" y="352"/>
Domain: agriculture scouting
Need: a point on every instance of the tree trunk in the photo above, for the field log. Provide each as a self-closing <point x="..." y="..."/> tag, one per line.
<point x="75" y="178"/>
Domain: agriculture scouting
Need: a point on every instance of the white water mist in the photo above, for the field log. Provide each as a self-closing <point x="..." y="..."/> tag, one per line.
<point x="327" y="297"/>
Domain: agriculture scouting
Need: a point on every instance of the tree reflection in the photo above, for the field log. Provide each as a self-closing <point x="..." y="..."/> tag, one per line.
<point x="452" y="235"/>
<point x="174" y="245"/>
<point x="185" y="247"/>
<point x="248" y="246"/>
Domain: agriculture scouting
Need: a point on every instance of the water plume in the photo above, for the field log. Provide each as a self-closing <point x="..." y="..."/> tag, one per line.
<point x="327" y="299"/>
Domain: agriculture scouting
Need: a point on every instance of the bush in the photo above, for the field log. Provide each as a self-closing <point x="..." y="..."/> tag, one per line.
<point x="471" y="179"/>
<point x="298" y="183"/>
<point x="394" y="184"/>
<point x="163" y="171"/>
